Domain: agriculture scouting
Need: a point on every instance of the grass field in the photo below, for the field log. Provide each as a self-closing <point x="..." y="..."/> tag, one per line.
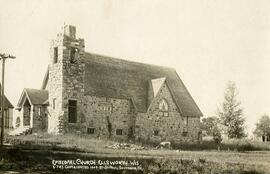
<point x="84" y="143"/>
<point x="234" y="156"/>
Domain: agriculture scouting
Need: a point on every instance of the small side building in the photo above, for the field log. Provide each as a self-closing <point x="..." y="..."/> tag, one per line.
<point x="8" y="114"/>
<point x="32" y="109"/>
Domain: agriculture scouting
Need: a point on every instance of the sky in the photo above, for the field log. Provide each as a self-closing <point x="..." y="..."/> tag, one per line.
<point x="208" y="42"/>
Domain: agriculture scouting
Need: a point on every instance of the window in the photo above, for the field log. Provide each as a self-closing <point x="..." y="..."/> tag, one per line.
<point x="54" y="102"/>
<point x="109" y="108"/>
<point x="90" y="130"/>
<point x="163" y="105"/>
<point x="119" y="131"/>
<point x="73" y="52"/>
<point x="6" y="118"/>
<point x="106" y="107"/>
<point x="72" y="111"/>
<point x="55" y="54"/>
<point x="163" y="108"/>
<point x="185" y="133"/>
<point x="185" y="119"/>
<point x="156" y="132"/>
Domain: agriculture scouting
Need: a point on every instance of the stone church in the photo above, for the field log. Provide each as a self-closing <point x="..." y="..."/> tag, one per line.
<point x="108" y="97"/>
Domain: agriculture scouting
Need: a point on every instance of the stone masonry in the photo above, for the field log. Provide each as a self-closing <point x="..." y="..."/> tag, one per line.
<point x="120" y="116"/>
<point x="65" y="80"/>
<point x="171" y="127"/>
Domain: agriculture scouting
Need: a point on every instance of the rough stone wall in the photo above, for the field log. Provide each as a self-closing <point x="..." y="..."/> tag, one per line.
<point x="171" y="127"/>
<point x="55" y="86"/>
<point x="65" y="81"/>
<point x="73" y="83"/>
<point x="120" y="116"/>
<point x="55" y="95"/>
<point x="193" y="130"/>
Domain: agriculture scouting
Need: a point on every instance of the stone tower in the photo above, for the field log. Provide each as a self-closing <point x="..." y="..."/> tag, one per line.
<point x="66" y="81"/>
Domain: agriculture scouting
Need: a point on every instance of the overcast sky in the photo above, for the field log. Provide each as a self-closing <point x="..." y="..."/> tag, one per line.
<point x="208" y="42"/>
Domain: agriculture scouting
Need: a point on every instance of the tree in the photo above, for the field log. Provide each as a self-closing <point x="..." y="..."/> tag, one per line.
<point x="231" y="114"/>
<point x="263" y="126"/>
<point x="208" y="124"/>
<point x="217" y="135"/>
<point x="211" y="126"/>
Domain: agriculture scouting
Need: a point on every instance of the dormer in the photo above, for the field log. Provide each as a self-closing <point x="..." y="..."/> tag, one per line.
<point x="154" y="86"/>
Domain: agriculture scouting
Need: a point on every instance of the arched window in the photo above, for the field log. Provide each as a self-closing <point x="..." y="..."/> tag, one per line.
<point x="163" y="108"/>
<point x="106" y="107"/>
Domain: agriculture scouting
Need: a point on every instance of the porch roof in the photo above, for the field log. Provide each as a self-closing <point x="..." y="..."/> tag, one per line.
<point x="35" y="96"/>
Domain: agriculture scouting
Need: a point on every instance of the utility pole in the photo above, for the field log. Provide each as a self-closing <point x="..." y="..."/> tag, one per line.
<point x="3" y="57"/>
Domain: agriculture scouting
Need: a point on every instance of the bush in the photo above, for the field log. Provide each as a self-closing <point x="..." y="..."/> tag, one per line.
<point x="246" y="147"/>
<point x="217" y="136"/>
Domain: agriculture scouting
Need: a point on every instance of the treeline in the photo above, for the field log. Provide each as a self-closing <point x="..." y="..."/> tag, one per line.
<point x="230" y="121"/>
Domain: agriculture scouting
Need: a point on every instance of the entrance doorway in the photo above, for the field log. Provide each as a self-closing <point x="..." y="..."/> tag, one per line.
<point x="26" y="113"/>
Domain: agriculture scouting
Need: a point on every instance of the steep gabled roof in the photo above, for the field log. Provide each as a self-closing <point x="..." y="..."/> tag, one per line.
<point x="6" y="101"/>
<point x="35" y="96"/>
<point x="45" y="79"/>
<point x="111" y="77"/>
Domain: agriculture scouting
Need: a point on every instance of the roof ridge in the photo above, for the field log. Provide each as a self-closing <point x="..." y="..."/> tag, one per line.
<point x="130" y="61"/>
<point x="35" y="96"/>
<point x="35" y="89"/>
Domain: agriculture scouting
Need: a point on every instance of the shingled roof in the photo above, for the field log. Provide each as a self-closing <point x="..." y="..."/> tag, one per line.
<point x="35" y="96"/>
<point x="111" y="77"/>
<point x="6" y="101"/>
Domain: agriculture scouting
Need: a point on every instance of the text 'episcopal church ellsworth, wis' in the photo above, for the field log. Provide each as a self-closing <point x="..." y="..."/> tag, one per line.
<point x="109" y="97"/>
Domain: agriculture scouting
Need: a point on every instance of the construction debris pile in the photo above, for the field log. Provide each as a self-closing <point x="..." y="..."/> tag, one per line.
<point x="125" y="146"/>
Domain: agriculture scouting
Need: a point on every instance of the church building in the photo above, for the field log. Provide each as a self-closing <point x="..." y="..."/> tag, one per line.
<point x="108" y="97"/>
